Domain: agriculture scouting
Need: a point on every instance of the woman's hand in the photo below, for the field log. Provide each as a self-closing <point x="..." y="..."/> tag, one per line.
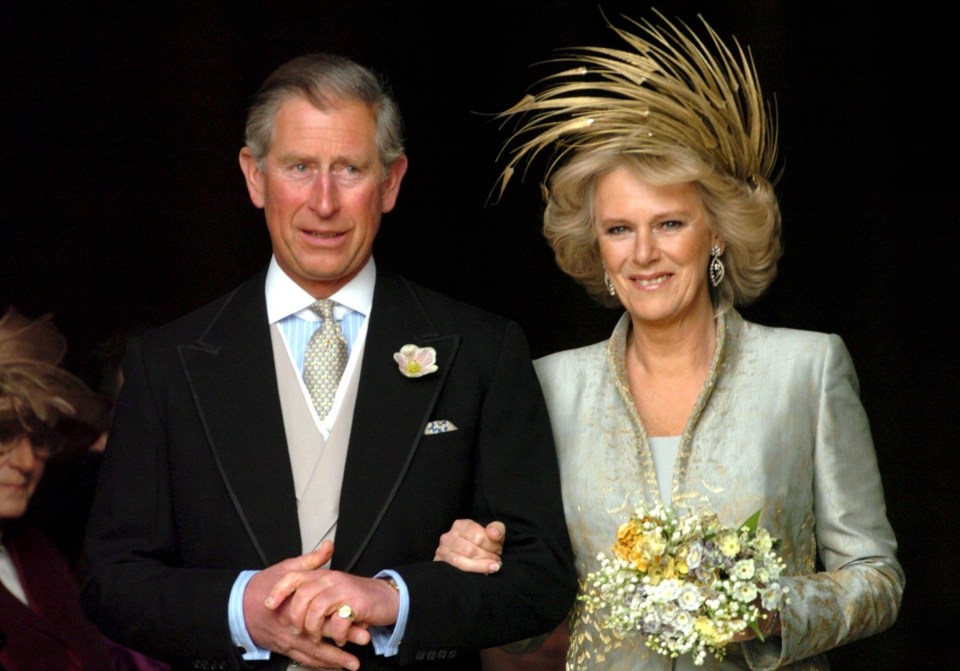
<point x="471" y="547"/>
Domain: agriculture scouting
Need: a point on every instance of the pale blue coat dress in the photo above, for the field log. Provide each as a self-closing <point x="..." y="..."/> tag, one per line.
<point x="778" y="425"/>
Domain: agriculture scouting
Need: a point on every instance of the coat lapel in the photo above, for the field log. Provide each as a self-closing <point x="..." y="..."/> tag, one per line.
<point x="390" y="415"/>
<point x="231" y="374"/>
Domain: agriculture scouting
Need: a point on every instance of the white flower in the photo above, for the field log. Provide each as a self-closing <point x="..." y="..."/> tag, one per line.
<point x="695" y="555"/>
<point x="745" y="592"/>
<point x="683" y="621"/>
<point x="416" y="361"/>
<point x="652" y="622"/>
<point x="668" y="589"/>
<point x="668" y="612"/>
<point x="763" y="541"/>
<point x="690" y="597"/>
<point x="744" y="569"/>
<point x="729" y="544"/>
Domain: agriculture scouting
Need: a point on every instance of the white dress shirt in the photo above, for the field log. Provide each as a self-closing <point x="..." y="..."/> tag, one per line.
<point x="288" y="306"/>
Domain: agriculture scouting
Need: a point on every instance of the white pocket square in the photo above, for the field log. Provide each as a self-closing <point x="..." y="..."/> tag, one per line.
<point x="439" y="426"/>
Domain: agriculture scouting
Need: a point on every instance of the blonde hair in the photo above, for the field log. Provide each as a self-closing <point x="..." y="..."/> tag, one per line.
<point x="746" y="217"/>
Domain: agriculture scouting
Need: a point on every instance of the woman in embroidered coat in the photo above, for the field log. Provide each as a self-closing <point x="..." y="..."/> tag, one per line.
<point x="661" y="204"/>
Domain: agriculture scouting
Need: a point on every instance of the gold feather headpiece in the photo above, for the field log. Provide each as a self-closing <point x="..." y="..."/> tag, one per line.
<point x="672" y="90"/>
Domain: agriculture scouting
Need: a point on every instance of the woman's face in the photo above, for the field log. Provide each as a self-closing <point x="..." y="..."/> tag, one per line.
<point x="21" y="468"/>
<point x="655" y="244"/>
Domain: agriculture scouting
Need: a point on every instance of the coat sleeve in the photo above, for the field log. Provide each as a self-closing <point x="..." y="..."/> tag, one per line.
<point x="858" y="591"/>
<point x="135" y="591"/>
<point x="517" y="481"/>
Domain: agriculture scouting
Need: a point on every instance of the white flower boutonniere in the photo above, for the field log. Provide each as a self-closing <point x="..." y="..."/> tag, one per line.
<point x="416" y="361"/>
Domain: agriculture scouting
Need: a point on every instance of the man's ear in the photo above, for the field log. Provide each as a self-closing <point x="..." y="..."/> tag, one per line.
<point x="391" y="184"/>
<point x="253" y="176"/>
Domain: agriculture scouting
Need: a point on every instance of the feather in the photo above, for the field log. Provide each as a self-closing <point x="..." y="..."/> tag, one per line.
<point x="671" y="88"/>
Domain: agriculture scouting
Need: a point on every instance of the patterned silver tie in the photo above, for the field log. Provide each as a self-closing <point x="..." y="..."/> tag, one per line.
<point x="325" y="359"/>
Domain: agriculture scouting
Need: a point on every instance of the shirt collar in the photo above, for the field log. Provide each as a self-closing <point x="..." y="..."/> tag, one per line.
<point x="285" y="297"/>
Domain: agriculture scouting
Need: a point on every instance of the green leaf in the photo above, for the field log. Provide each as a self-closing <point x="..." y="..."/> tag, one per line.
<point x="753" y="625"/>
<point x="753" y="520"/>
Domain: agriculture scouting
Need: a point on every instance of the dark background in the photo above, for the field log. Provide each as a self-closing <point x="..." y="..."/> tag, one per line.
<point x="122" y="205"/>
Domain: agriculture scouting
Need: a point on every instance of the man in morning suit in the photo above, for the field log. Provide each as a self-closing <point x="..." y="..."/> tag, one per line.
<point x="228" y="480"/>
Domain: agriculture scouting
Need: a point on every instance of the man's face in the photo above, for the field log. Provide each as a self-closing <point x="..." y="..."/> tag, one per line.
<point x="322" y="188"/>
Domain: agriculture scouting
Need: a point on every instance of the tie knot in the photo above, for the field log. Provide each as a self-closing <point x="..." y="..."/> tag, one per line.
<point x="323" y="307"/>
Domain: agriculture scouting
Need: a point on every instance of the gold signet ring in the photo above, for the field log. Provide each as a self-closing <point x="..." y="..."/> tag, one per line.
<point x="346" y="612"/>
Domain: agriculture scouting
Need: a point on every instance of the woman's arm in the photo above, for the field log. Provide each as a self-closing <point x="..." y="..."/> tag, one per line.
<point x="859" y="591"/>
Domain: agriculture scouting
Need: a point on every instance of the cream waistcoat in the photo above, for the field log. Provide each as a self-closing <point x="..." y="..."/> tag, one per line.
<point x="317" y="463"/>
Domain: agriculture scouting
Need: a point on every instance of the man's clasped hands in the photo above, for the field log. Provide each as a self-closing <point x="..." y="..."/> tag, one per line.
<point x="307" y="613"/>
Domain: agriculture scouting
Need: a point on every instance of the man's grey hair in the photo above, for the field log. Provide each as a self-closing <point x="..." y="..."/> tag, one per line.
<point x="325" y="80"/>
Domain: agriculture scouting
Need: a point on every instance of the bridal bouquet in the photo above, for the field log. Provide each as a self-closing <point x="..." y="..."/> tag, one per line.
<point x="688" y="583"/>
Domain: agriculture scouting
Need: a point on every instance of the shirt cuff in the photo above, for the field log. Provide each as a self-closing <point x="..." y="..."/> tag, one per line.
<point x="238" y="625"/>
<point x="386" y="640"/>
